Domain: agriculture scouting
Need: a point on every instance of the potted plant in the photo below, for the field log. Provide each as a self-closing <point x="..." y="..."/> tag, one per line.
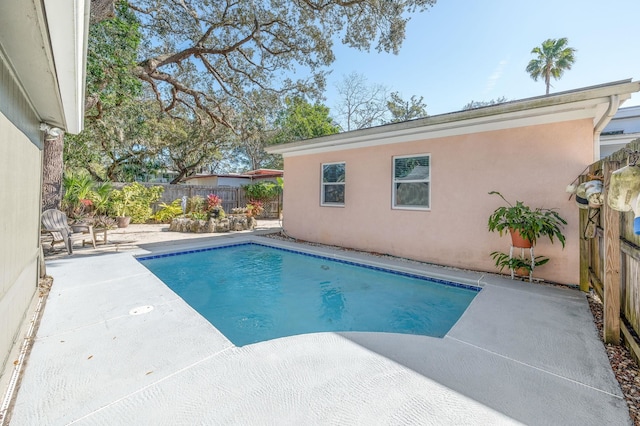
<point x="121" y="202"/>
<point x="521" y="266"/>
<point x="525" y="222"/>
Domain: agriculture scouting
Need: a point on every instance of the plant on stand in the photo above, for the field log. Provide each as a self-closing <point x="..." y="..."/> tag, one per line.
<point x="526" y="225"/>
<point x="522" y="266"/>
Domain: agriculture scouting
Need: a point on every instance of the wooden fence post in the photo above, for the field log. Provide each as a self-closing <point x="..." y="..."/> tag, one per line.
<point x="612" y="262"/>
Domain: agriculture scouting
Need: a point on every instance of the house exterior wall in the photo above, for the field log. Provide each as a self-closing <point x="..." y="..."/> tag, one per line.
<point x="233" y="181"/>
<point x="531" y="164"/>
<point x="202" y="181"/>
<point x="20" y="178"/>
<point x="623" y="128"/>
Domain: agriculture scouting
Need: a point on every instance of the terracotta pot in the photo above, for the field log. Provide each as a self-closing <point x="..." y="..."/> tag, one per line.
<point x="123" y="221"/>
<point x="522" y="272"/>
<point x="518" y="241"/>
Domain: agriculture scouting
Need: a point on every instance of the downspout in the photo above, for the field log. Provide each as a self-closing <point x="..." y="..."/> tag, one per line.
<point x="614" y="104"/>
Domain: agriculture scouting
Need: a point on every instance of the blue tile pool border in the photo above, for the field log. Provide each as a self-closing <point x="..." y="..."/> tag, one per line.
<point x="318" y="256"/>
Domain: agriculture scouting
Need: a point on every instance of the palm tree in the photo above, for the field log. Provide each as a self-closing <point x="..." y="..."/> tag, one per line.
<point x="553" y="58"/>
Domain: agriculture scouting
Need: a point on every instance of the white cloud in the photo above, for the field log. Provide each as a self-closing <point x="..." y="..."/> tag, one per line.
<point x="495" y="76"/>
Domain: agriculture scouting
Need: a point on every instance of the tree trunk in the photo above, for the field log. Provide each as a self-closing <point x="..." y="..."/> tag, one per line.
<point x="52" y="170"/>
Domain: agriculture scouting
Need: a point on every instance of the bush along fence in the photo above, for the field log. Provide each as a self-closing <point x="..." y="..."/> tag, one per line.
<point x="232" y="197"/>
<point x="609" y="247"/>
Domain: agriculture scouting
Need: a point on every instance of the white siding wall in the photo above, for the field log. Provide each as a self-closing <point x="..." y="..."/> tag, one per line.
<point x="20" y="177"/>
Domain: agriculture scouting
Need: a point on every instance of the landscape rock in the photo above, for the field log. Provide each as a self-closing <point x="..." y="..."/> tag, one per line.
<point x="226" y="224"/>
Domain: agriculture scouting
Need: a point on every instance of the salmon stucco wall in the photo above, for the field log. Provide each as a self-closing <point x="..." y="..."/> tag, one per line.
<point x="532" y="164"/>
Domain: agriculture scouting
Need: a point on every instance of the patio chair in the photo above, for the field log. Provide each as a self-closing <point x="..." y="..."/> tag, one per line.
<point x="55" y="223"/>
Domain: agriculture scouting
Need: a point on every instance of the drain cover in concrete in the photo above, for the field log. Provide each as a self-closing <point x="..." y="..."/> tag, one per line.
<point x="141" y="310"/>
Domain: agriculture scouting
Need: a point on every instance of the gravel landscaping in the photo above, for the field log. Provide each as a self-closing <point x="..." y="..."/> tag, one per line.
<point x="624" y="366"/>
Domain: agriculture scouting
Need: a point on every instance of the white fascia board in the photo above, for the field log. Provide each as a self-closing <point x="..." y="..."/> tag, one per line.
<point x="68" y="24"/>
<point x="586" y="104"/>
<point x="618" y="139"/>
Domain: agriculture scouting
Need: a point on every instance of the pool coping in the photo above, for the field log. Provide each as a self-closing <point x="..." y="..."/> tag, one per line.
<point x="345" y="261"/>
<point x="521" y="353"/>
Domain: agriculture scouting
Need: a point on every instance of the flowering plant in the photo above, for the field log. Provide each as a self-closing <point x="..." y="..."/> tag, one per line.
<point x="254" y="208"/>
<point x="213" y="201"/>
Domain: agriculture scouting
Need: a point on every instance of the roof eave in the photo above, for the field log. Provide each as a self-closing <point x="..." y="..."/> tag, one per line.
<point x="45" y="43"/>
<point x="577" y="104"/>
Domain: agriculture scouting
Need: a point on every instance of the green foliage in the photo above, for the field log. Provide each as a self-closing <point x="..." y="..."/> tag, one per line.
<point x="121" y="146"/>
<point x="200" y="209"/>
<point x="247" y="45"/>
<point x="198" y="215"/>
<point x="552" y="58"/>
<point x="168" y="212"/>
<point x="135" y="200"/>
<point x="480" y="104"/>
<point x="302" y="120"/>
<point x="101" y="196"/>
<point x="530" y="223"/>
<point x="402" y="110"/>
<point x="185" y="144"/>
<point x="111" y="57"/>
<point x="262" y="191"/>
<point x="77" y="189"/>
<point x="195" y="204"/>
<point x="503" y="261"/>
<point x="83" y="196"/>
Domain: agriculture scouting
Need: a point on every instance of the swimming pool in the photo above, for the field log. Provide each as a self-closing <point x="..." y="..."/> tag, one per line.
<point x="252" y="292"/>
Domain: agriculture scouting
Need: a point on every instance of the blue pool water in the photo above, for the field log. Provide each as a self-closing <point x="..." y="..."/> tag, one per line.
<point x="252" y="293"/>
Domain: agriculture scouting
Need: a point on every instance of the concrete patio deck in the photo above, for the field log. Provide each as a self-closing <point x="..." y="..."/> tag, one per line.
<point x="521" y="353"/>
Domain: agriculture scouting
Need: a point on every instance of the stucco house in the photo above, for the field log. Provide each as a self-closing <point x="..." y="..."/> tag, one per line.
<point x="342" y="189"/>
<point x="234" y="179"/>
<point x="43" y="47"/>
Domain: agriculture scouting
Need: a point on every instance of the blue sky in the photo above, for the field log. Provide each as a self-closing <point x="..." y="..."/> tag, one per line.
<point x="464" y="50"/>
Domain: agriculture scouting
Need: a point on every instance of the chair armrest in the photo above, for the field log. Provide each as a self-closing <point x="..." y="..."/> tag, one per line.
<point x="52" y="229"/>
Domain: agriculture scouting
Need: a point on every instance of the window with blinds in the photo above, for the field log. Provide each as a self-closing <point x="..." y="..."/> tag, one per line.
<point x="333" y="184"/>
<point x="412" y="182"/>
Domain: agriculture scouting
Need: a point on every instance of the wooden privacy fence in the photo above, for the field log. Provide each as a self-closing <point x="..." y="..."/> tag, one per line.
<point x="232" y="197"/>
<point x="610" y="260"/>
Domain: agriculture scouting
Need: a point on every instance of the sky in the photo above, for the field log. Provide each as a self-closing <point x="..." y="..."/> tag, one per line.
<point x="464" y="50"/>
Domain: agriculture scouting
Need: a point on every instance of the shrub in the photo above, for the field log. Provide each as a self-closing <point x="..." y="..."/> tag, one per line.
<point x="76" y="201"/>
<point x="168" y="212"/>
<point x="135" y="200"/>
<point x="195" y="204"/>
<point x="213" y="201"/>
<point x="254" y="208"/>
<point x="262" y="191"/>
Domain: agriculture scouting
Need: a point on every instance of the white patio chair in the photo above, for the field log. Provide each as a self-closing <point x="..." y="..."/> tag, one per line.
<point x="55" y="223"/>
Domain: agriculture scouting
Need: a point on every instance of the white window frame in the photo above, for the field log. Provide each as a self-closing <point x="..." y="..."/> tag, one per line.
<point x="394" y="181"/>
<point x="323" y="184"/>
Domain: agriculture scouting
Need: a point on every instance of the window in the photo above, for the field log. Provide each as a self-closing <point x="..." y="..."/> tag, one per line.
<point x="411" y="182"/>
<point x="333" y="184"/>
